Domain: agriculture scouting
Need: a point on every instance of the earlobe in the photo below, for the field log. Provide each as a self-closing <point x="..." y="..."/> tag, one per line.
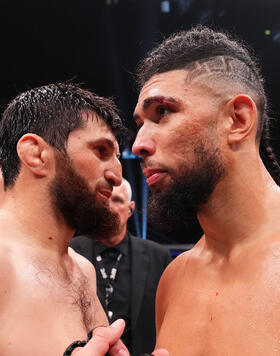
<point x="31" y="150"/>
<point x="244" y="119"/>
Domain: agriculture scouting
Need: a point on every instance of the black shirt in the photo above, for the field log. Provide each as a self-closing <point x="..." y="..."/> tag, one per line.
<point x="119" y="303"/>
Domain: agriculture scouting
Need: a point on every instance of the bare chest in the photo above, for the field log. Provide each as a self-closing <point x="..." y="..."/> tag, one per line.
<point x="223" y="314"/>
<point x="45" y="311"/>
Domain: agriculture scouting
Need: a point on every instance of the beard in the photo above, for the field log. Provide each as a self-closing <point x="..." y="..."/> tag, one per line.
<point x="190" y="189"/>
<point x="81" y="208"/>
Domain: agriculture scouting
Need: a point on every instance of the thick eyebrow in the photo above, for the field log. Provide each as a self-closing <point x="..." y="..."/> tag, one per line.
<point x="167" y="101"/>
<point x="107" y="141"/>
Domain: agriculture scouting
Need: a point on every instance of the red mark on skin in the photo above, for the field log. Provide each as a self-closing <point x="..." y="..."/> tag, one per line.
<point x="163" y="101"/>
<point x="211" y="318"/>
<point x="217" y="293"/>
<point x="50" y="238"/>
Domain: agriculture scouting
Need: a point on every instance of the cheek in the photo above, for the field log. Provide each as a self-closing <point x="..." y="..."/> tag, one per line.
<point x="123" y="213"/>
<point x="88" y="167"/>
<point x="182" y="140"/>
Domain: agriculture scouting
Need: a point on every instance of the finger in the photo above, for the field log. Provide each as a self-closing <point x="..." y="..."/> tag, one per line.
<point x="160" y="352"/>
<point x="118" y="349"/>
<point x="103" y="339"/>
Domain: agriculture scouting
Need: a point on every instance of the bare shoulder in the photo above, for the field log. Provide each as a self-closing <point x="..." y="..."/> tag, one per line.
<point x="86" y="266"/>
<point x="170" y="278"/>
<point x="174" y="269"/>
<point x="88" y="271"/>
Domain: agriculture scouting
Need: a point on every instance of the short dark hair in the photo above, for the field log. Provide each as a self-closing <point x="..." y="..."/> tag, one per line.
<point x="203" y="51"/>
<point x="52" y="112"/>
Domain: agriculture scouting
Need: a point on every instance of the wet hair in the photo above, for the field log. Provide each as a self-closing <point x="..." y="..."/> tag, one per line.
<point x="52" y="112"/>
<point x="214" y="57"/>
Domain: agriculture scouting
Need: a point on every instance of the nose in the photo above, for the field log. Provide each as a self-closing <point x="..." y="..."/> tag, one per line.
<point x="114" y="174"/>
<point x="144" y="145"/>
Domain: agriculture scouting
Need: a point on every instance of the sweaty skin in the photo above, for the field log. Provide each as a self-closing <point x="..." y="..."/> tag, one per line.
<point x="48" y="292"/>
<point x="221" y="305"/>
<point x="58" y="301"/>
<point x="222" y="297"/>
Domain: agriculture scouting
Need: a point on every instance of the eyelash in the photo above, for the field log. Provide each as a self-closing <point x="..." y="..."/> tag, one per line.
<point x="102" y="150"/>
<point x="105" y="152"/>
<point x="158" y="110"/>
<point x="163" y="111"/>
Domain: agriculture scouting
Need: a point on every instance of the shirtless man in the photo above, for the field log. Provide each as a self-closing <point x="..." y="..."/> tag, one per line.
<point x="59" y="160"/>
<point x="201" y="113"/>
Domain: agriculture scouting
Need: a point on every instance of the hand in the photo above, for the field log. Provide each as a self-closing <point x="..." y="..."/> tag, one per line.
<point x="160" y="352"/>
<point x="105" y="339"/>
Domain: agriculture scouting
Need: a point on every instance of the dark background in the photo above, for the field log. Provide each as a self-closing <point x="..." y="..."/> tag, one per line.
<point x="99" y="43"/>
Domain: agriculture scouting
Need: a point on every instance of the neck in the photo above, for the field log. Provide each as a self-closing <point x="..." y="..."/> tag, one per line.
<point x="244" y="207"/>
<point x="30" y="220"/>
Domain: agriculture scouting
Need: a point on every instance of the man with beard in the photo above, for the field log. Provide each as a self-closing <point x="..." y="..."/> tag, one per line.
<point x="130" y="292"/>
<point x="201" y="115"/>
<point x="59" y="160"/>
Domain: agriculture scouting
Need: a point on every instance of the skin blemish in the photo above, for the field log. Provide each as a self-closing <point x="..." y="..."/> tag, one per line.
<point x="165" y="102"/>
<point x="169" y="102"/>
<point x="211" y="318"/>
<point x="50" y="238"/>
<point x="217" y="293"/>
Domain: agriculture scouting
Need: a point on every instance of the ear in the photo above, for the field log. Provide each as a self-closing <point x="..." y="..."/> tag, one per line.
<point x="244" y="119"/>
<point x="131" y="208"/>
<point x="33" y="151"/>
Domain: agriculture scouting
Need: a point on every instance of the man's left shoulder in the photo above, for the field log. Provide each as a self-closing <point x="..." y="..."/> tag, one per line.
<point x="83" y="264"/>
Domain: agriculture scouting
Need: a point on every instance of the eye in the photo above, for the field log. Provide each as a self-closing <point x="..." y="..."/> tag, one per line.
<point x="162" y="111"/>
<point x="102" y="151"/>
<point x="117" y="200"/>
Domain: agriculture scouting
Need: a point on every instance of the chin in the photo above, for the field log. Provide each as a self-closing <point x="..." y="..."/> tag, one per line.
<point x="162" y="185"/>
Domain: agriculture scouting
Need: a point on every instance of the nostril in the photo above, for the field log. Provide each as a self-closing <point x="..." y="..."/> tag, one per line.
<point x="143" y="152"/>
<point x="111" y="182"/>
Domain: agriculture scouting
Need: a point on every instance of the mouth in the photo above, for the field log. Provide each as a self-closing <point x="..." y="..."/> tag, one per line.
<point x="153" y="175"/>
<point x="105" y="193"/>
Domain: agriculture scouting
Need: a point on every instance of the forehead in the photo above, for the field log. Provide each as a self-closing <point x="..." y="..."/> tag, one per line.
<point x="93" y="129"/>
<point x="171" y="89"/>
<point x="120" y="190"/>
<point x="163" y="84"/>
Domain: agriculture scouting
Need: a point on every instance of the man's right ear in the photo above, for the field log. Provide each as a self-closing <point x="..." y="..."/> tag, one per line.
<point x="33" y="152"/>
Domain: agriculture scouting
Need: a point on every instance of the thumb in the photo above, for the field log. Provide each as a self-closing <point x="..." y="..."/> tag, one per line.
<point x="160" y="352"/>
<point x="102" y="339"/>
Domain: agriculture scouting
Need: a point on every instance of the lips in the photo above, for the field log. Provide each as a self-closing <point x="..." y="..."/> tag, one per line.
<point x="153" y="175"/>
<point x="105" y="193"/>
